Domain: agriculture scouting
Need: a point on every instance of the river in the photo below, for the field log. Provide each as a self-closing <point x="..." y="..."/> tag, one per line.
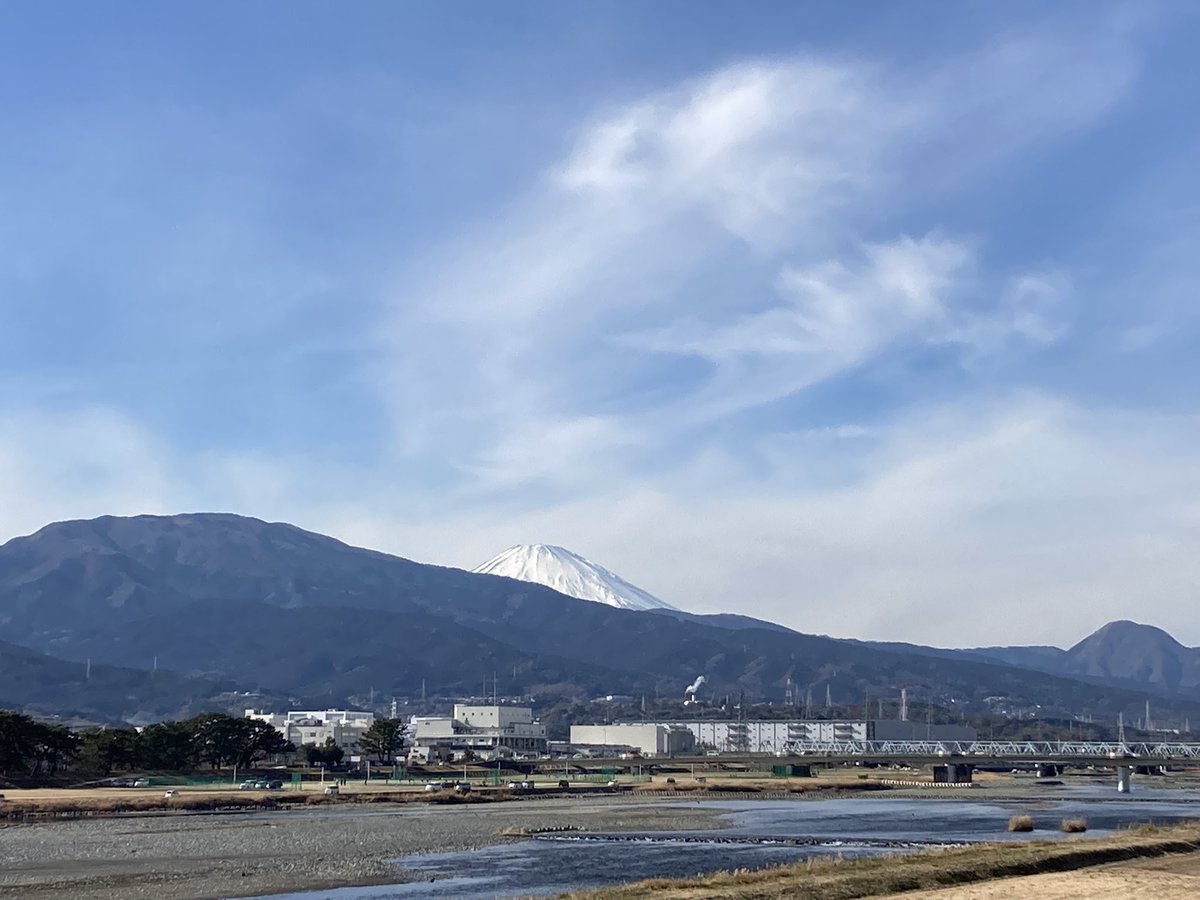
<point x="760" y="834"/>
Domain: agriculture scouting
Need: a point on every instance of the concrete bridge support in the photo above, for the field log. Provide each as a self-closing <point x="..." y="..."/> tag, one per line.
<point x="953" y="773"/>
<point x="1123" y="779"/>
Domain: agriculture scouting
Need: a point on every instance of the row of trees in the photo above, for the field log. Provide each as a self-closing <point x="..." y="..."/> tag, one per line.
<point x="32" y="748"/>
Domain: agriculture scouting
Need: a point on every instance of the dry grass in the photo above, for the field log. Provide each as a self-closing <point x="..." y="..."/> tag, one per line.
<point x="833" y="879"/>
<point x="1073" y="826"/>
<point x="77" y="804"/>
<point x="1020" y="823"/>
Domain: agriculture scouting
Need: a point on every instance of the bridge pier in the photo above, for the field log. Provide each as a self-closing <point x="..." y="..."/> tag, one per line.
<point x="953" y="773"/>
<point x="1123" y="779"/>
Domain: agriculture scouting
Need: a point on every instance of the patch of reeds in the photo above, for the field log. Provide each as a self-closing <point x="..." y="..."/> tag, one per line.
<point x="1020" y="823"/>
<point x="1073" y="826"/>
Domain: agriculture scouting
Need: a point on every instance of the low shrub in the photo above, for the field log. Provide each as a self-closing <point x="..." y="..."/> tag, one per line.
<point x="1020" y="823"/>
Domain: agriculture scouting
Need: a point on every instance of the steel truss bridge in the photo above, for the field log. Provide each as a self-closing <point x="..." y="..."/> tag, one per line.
<point x="1034" y="751"/>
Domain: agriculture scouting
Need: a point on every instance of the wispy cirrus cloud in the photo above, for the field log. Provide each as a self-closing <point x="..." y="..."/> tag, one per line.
<point x="724" y="220"/>
<point x="750" y="335"/>
<point x="829" y="318"/>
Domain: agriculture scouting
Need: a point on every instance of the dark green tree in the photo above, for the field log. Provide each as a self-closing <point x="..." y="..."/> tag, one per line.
<point x="327" y="754"/>
<point x="168" y="746"/>
<point x="385" y="739"/>
<point x="260" y="740"/>
<point x="218" y="739"/>
<point x="106" y="749"/>
<point x="222" y="740"/>
<point x="18" y="742"/>
<point x="54" y="746"/>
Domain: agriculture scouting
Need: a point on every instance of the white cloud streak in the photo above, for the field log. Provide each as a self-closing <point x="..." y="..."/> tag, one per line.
<point x="571" y="367"/>
<point x="774" y="169"/>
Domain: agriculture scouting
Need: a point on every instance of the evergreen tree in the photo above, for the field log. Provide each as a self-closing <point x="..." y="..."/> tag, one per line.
<point x="384" y="739"/>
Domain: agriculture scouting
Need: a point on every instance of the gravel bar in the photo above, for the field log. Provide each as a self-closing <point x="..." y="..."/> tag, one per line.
<point x="245" y="854"/>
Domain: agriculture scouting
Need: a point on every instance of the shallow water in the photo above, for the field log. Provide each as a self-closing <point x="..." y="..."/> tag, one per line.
<point x="760" y="834"/>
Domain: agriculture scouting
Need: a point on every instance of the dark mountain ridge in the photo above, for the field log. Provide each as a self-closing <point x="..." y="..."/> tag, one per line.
<point x="34" y="682"/>
<point x="1121" y="652"/>
<point x="274" y="607"/>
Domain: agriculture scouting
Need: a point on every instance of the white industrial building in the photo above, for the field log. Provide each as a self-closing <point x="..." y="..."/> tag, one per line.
<point x="487" y="731"/>
<point x="302" y="727"/>
<point x="757" y="736"/>
<point x="645" y="738"/>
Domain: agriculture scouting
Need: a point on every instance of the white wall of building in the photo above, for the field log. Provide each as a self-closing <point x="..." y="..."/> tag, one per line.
<point x="648" y="738"/>
<point x="345" y="727"/>
<point x="481" y="729"/>
<point x="766" y="737"/>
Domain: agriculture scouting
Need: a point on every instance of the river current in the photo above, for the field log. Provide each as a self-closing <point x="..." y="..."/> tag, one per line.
<point x="760" y="834"/>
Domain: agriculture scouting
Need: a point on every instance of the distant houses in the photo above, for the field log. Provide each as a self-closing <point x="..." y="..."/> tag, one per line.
<point x="470" y="731"/>
<point x="341" y="726"/>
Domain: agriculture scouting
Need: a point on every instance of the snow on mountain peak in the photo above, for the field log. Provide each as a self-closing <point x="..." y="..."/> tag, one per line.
<point x="570" y="574"/>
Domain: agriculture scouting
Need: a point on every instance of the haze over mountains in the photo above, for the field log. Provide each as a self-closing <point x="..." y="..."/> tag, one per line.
<point x="222" y="601"/>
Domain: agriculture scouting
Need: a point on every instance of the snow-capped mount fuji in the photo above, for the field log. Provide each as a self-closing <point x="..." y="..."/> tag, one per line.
<point x="570" y="574"/>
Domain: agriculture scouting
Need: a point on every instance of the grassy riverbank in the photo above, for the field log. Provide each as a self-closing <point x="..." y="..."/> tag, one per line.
<point x="39" y="804"/>
<point x="831" y="879"/>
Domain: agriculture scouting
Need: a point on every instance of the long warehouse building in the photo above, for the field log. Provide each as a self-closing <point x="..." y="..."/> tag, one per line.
<point x="651" y="738"/>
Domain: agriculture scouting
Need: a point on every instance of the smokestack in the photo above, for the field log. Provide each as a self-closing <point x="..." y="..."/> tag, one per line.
<point x="904" y="704"/>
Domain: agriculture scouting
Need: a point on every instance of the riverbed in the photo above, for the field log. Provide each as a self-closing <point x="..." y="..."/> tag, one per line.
<point x="756" y="834"/>
<point x="357" y="853"/>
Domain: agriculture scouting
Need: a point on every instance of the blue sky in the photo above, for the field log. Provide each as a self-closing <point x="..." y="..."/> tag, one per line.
<point x="873" y="319"/>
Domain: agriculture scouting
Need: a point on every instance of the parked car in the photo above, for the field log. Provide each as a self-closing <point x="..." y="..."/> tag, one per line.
<point x="463" y="787"/>
<point x="433" y="786"/>
<point x="141" y="782"/>
<point x="248" y="785"/>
